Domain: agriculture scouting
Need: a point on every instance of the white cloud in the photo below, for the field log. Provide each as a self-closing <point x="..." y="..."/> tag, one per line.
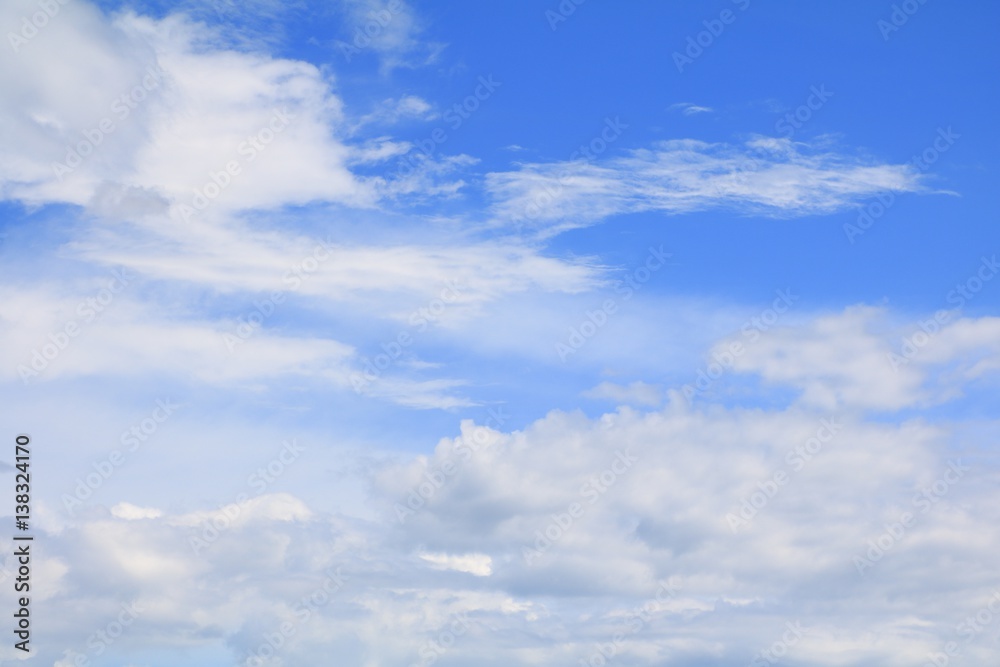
<point x="391" y="29"/>
<point x="429" y="178"/>
<point x="394" y="110"/>
<point x="660" y="518"/>
<point x="131" y="338"/>
<point x="775" y="177"/>
<point x="265" y="508"/>
<point x="859" y="359"/>
<point x="388" y="280"/>
<point x="131" y="512"/>
<point x="566" y="526"/>
<point x="162" y="106"/>
<point x="689" y="109"/>
<point x="666" y="516"/>
<point x="480" y="565"/>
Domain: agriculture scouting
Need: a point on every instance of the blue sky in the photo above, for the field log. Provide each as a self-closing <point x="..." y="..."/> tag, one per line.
<point x="397" y="304"/>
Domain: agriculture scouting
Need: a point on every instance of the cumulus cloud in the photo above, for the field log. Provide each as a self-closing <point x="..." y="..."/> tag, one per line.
<point x="164" y="106"/>
<point x="698" y="534"/>
<point x="601" y="509"/>
<point x="860" y="359"/>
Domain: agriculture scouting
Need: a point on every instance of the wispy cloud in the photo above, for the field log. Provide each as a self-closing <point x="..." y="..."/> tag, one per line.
<point x="392" y="111"/>
<point x="391" y="30"/>
<point x="763" y="176"/>
<point x="689" y="109"/>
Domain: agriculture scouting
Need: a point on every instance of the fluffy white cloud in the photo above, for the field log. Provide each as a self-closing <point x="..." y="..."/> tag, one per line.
<point x="163" y="106"/>
<point x="859" y="359"/>
<point x="697" y="534"/>
<point x="134" y="512"/>
<point x="745" y="509"/>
